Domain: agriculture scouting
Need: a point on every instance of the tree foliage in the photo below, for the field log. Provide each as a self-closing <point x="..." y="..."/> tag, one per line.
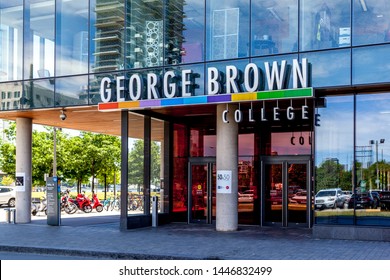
<point x="79" y="158"/>
<point x="136" y="163"/>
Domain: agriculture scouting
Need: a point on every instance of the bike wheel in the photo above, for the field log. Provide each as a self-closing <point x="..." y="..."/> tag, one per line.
<point x="70" y="208"/>
<point x="99" y="208"/>
<point x="117" y="206"/>
<point x="87" y="208"/>
<point x="133" y="205"/>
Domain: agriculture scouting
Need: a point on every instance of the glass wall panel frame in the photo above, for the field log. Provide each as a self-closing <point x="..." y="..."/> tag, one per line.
<point x="72" y="33"/>
<point x="227" y="29"/>
<point x="11" y="40"/>
<point x="38" y="94"/>
<point x="334" y="161"/>
<point x="325" y="25"/>
<point x="71" y="91"/>
<point x="39" y="38"/>
<point x="371" y="64"/>
<point x="370" y="22"/>
<point x="274" y="27"/>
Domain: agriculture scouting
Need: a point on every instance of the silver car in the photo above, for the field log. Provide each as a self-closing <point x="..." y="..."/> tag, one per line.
<point x="7" y="196"/>
<point x="330" y="198"/>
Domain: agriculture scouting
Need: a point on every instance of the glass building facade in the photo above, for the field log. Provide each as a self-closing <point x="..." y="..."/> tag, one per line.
<point x="55" y="53"/>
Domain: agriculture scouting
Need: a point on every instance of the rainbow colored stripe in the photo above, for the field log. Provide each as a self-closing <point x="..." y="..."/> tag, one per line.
<point x="208" y="99"/>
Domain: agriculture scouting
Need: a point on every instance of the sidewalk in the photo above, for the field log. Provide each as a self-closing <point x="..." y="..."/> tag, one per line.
<point x="181" y="241"/>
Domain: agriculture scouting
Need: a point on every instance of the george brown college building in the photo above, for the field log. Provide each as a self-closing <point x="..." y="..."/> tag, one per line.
<point x="267" y="113"/>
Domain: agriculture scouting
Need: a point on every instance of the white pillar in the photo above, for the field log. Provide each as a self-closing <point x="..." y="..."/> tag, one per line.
<point x="23" y="169"/>
<point x="227" y="159"/>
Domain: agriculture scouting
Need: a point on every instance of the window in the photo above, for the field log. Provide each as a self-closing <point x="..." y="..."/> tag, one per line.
<point x="325" y="24"/>
<point x="39" y="39"/>
<point x="11" y="40"/>
<point x="184" y="31"/>
<point x="274" y="27"/>
<point x="370" y="22"/>
<point x="227" y="29"/>
<point x="144" y="36"/>
<point x="334" y="159"/>
<point x="71" y="37"/>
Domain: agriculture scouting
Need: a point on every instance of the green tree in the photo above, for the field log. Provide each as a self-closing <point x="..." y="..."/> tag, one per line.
<point x="8" y="158"/>
<point x="328" y="175"/>
<point x="8" y="151"/>
<point x="75" y="166"/>
<point x="136" y="163"/>
<point x="110" y="151"/>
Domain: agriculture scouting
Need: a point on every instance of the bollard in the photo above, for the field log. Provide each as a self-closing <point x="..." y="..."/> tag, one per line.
<point x="13" y="215"/>
<point x="7" y="215"/>
<point x="154" y="211"/>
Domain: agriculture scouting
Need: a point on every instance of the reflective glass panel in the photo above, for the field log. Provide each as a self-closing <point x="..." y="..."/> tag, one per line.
<point x="184" y="31"/>
<point x="273" y="198"/>
<point x="11" y="39"/>
<point x="72" y="91"/>
<point x="371" y="198"/>
<point x="71" y="37"/>
<point x="157" y="186"/>
<point x="297" y="193"/>
<point x="274" y="27"/>
<point x="39" y="39"/>
<point x="291" y="143"/>
<point x="227" y="29"/>
<point x="371" y="22"/>
<point x="202" y="144"/>
<point x="11" y="96"/>
<point x="325" y="25"/>
<point x="38" y="94"/>
<point x="144" y="34"/>
<point x="371" y="64"/>
<point x="136" y="191"/>
<point x="334" y="161"/>
<point x="330" y="68"/>
<point x="180" y="173"/>
<point x="107" y="34"/>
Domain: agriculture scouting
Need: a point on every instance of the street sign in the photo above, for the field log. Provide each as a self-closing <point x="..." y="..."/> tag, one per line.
<point x="53" y="201"/>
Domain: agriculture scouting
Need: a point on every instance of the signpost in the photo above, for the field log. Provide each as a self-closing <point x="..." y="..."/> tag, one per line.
<point x="53" y="201"/>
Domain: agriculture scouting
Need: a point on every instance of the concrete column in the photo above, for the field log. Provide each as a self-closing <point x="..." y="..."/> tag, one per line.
<point x="23" y="169"/>
<point x="227" y="159"/>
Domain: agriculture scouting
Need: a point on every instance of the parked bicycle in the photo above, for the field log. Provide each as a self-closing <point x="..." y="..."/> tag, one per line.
<point x="135" y="202"/>
<point x="112" y="203"/>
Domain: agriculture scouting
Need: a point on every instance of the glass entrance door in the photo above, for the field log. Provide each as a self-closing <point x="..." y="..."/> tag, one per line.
<point x="286" y="191"/>
<point x="202" y="190"/>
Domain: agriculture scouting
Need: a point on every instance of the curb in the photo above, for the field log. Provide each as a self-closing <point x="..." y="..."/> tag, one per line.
<point x="95" y="254"/>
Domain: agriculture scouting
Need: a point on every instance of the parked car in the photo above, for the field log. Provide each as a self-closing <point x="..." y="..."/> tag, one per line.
<point x="7" y="196"/>
<point x="363" y="201"/>
<point x="330" y="198"/>
<point x="384" y="199"/>
<point x="347" y="195"/>
<point x="299" y="197"/>
<point x="246" y="196"/>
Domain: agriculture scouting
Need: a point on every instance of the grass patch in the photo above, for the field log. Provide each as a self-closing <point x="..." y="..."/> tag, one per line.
<point x="350" y="212"/>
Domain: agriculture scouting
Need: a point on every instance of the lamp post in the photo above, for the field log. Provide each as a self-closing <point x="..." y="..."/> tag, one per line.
<point x="381" y="141"/>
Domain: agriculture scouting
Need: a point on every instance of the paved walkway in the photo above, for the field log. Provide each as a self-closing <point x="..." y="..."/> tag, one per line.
<point x="102" y="239"/>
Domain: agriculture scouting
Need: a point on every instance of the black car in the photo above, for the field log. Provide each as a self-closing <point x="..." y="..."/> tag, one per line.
<point x="363" y="201"/>
<point x="384" y="199"/>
